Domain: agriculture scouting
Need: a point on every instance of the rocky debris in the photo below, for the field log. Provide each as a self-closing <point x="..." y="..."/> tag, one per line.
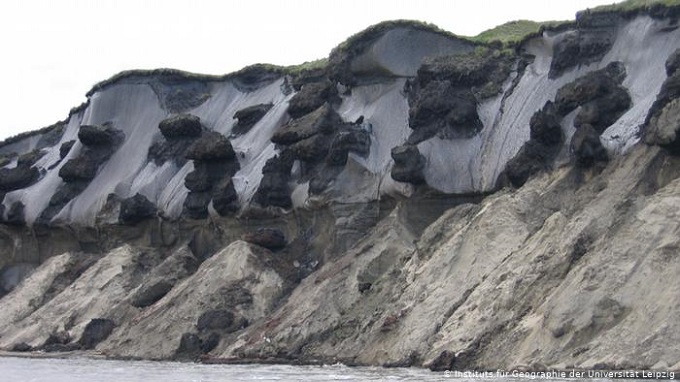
<point x="214" y="165"/>
<point x="205" y="175"/>
<point x="270" y="238"/>
<point x="599" y="93"/>
<point x="181" y="126"/>
<point x="311" y="72"/>
<point x="321" y="179"/>
<point x="65" y="148"/>
<point x="409" y="164"/>
<point x="225" y="198"/>
<point x="23" y="174"/>
<point x="604" y="111"/>
<point x="312" y="96"/>
<point x="178" y="93"/>
<point x="239" y="278"/>
<point x="589" y="87"/>
<point x="74" y="266"/>
<point x="161" y="279"/>
<point x="313" y="149"/>
<point x="248" y="117"/>
<point x="223" y="321"/>
<point x="255" y="76"/>
<point x="104" y="135"/>
<point x="6" y="159"/>
<point x="445" y="110"/>
<point x="538" y="153"/>
<point x="320" y="139"/>
<point x="15" y="215"/>
<point x="483" y="70"/>
<point x="21" y="347"/>
<point x="60" y="348"/>
<point x="209" y="342"/>
<point x="192" y="345"/>
<point x="135" y="209"/>
<point x="545" y="126"/>
<point x="99" y="143"/>
<point x="587" y="148"/>
<point x="673" y="63"/>
<point x="389" y="323"/>
<point x="351" y="139"/>
<point x="532" y="248"/>
<point x="179" y="133"/>
<point x="150" y="293"/>
<point x="664" y="128"/>
<point x="580" y="47"/>
<point x="174" y="150"/>
<point x="211" y="146"/>
<point x="364" y="287"/>
<point x="196" y="205"/>
<point x="189" y="347"/>
<point x="446" y="360"/>
<point x="273" y="189"/>
<point x="602" y="100"/>
<point x="215" y="320"/>
<point x="57" y="342"/>
<point x="443" y="97"/>
<point x="236" y="295"/>
<point x="323" y="120"/>
<point x="17" y="177"/>
<point x="11" y="277"/>
<point x="205" y="242"/>
<point x="71" y="296"/>
<point x="30" y="158"/>
<point x="662" y="123"/>
<point x="61" y="197"/>
<point x="531" y="159"/>
<point x="97" y="330"/>
<point x="77" y="169"/>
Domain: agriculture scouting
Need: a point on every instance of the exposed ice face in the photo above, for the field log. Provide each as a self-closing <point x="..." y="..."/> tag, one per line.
<point x="36" y="197"/>
<point x="453" y="166"/>
<point x="643" y="45"/>
<point x="255" y="147"/>
<point x="385" y="107"/>
<point x="460" y="166"/>
<point x="135" y="109"/>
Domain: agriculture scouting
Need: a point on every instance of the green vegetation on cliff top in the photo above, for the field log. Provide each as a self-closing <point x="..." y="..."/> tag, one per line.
<point x="379" y="28"/>
<point x="511" y="32"/>
<point x="633" y="5"/>
<point x="515" y="31"/>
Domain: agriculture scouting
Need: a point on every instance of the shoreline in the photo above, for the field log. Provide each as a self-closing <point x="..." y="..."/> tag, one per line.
<point x="518" y="372"/>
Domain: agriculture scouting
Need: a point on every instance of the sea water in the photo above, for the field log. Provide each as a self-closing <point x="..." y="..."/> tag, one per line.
<point x="96" y="370"/>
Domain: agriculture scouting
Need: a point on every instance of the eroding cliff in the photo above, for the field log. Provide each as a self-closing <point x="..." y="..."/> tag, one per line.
<point x="416" y="199"/>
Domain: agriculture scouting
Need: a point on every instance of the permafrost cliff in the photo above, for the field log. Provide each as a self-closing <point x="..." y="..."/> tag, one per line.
<point x="418" y="199"/>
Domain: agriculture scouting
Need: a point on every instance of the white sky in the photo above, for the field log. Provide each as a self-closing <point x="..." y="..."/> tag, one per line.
<point x="54" y="51"/>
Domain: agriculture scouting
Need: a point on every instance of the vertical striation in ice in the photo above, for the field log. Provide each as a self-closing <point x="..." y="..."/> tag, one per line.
<point x="453" y="166"/>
